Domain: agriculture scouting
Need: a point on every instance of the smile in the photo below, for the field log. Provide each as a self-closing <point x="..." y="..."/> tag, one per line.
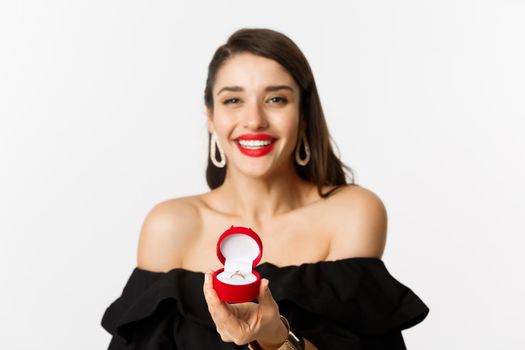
<point x="255" y="148"/>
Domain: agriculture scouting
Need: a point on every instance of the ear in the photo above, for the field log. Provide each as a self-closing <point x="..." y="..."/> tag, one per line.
<point x="302" y="125"/>
<point x="211" y="127"/>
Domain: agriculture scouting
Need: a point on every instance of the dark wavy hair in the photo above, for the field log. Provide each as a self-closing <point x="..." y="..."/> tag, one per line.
<point x="324" y="167"/>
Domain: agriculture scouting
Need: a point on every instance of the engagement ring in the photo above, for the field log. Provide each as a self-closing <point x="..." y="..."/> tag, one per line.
<point x="238" y="273"/>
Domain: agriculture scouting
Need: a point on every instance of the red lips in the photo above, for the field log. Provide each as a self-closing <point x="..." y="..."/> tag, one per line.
<point x="256" y="152"/>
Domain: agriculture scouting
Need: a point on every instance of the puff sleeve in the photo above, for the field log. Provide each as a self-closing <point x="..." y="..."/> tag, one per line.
<point x="162" y="311"/>
<point x="351" y="303"/>
<point x="141" y="318"/>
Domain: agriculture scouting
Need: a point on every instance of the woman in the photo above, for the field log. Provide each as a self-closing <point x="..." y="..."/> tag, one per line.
<point x="271" y="167"/>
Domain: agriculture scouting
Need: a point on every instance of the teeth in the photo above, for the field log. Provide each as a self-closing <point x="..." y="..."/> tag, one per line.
<point x="254" y="143"/>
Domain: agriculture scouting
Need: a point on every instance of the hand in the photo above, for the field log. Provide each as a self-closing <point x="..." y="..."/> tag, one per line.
<point x="243" y="322"/>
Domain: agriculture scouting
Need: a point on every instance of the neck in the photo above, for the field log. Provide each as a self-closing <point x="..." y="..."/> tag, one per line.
<point x="257" y="200"/>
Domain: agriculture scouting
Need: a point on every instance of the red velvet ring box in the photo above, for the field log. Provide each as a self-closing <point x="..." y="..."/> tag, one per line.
<point x="239" y="249"/>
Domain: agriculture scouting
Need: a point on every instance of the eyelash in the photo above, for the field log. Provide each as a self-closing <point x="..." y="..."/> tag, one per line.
<point x="283" y="100"/>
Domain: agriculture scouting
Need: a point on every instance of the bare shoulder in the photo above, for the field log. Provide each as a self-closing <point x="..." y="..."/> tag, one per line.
<point x="362" y="224"/>
<point x="167" y="230"/>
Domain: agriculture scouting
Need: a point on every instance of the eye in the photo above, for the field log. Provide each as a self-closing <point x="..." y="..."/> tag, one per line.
<point x="282" y="99"/>
<point x="228" y="101"/>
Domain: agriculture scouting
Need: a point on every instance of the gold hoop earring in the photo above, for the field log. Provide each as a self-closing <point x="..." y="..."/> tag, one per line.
<point x="214" y="142"/>
<point x="298" y="159"/>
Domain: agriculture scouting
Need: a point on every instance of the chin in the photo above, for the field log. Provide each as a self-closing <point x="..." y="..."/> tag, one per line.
<point x="259" y="171"/>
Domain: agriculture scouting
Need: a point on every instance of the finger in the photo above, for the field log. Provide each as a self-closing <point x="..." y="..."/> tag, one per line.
<point x="268" y="307"/>
<point x="265" y="295"/>
<point x="219" y="311"/>
<point x="218" y="308"/>
<point x="209" y="292"/>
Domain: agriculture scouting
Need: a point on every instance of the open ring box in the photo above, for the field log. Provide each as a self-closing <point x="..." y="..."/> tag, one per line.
<point x="239" y="249"/>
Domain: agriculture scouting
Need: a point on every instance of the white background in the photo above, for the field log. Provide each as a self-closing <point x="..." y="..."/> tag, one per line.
<point x="102" y="117"/>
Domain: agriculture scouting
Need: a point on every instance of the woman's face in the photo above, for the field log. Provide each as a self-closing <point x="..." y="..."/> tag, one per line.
<point x="255" y="98"/>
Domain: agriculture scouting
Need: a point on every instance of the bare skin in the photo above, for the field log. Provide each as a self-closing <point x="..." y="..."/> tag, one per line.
<point x="263" y="193"/>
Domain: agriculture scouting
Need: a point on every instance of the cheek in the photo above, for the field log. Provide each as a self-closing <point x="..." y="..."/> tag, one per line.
<point x="223" y="124"/>
<point x="289" y="127"/>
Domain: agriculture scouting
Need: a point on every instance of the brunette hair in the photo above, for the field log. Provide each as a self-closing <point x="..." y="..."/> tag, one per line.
<point x="324" y="167"/>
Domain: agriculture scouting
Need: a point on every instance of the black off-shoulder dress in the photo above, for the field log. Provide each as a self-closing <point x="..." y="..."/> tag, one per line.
<point x="348" y="304"/>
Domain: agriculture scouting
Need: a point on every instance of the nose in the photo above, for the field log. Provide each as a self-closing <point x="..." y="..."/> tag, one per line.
<point x="254" y="118"/>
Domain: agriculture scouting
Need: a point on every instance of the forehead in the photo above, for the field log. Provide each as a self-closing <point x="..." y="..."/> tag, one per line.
<point x="252" y="72"/>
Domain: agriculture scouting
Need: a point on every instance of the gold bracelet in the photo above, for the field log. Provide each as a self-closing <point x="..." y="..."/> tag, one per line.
<point x="297" y="344"/>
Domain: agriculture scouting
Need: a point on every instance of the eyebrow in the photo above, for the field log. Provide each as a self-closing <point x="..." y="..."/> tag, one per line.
<point x="237" y="88"/>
